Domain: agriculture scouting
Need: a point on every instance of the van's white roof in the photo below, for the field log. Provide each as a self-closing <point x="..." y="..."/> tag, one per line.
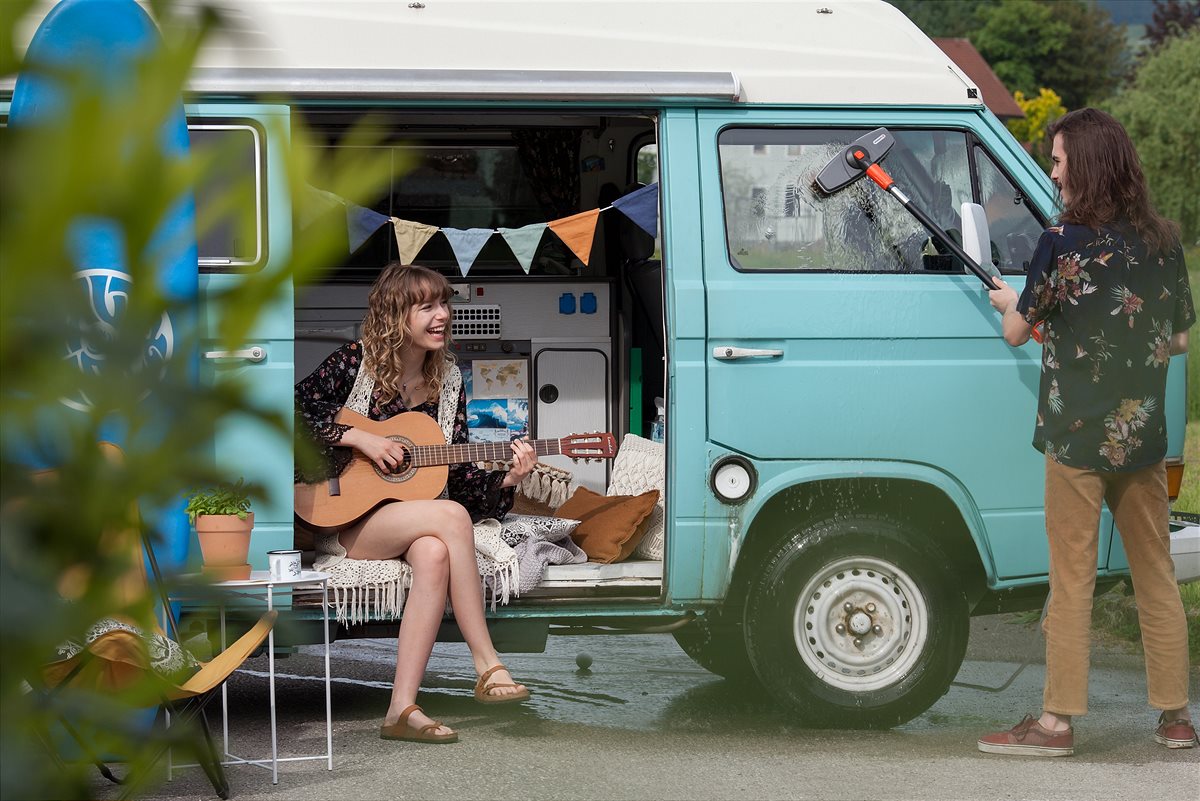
<point x="746" y="51"/>
<point x="786" y="51"/>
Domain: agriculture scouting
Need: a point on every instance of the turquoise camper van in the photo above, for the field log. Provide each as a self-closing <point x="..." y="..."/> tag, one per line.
<point x="845" y="449"/>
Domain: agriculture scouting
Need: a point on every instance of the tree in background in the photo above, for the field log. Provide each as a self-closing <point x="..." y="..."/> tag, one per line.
<point x="1160" y="111"/>
<point x="1039" y="111"/>
<point x="937" y="18"/>
<point x="1070" y="46"/>
<point x="1067" y="45"/>
<point x="1171" y="18"/>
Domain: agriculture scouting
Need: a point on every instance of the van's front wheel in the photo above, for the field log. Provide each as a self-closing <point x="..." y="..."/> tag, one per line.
<point x="854" y="624"/>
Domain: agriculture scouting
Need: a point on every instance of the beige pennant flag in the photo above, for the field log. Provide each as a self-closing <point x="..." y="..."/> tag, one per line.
<point x="411" y="237"/>
<point x="577" y="232"/>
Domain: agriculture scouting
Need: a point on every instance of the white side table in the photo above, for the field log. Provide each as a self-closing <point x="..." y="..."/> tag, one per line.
<point x="260" y="586"/>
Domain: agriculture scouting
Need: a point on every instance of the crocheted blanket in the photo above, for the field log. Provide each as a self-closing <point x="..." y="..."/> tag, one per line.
<point x="365" y="589"/>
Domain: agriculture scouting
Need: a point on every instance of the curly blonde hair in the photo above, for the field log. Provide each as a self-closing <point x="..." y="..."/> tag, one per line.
<point x="398" y="289"/>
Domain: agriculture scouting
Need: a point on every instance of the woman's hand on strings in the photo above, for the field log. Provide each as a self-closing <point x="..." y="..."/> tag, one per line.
<point x="387" y="454"/>
<point x="523" y="460"/>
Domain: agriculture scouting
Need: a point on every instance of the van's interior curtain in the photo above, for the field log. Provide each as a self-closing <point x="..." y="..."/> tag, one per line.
<point x="550" y="159"/>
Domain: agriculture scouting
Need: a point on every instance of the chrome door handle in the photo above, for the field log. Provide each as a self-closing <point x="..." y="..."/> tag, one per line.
<point x="728" y="354"/>
<point x="254" y="354"/>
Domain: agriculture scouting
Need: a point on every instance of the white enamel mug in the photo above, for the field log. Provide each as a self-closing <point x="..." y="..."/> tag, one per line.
<point x="284" y="565"/>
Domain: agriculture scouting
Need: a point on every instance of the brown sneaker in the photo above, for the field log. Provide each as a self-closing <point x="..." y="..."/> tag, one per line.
<point x="1175" y="733"/>
<point x="1028" y="738"/>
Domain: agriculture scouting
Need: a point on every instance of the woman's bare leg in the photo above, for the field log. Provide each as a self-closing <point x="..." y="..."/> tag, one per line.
<point x="397" y="525"/>
<point x="423" y="611"/>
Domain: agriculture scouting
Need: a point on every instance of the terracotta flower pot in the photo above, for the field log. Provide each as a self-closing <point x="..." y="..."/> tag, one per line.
<point x="225" y="545"/>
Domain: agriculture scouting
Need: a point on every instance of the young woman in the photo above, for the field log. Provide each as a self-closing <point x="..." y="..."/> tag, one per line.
<point x="1111" y="288"/>
<point x="403" y="364"/>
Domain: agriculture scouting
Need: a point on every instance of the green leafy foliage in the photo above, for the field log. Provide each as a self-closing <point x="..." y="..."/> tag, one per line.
<point x="941" y="19"/>
<point x="1070" y="46"/>
<point x="101" y="157"/>
<point x="1160" y="112"/>
<point x="225" y="499"/>
<point x="1067" y="45"/>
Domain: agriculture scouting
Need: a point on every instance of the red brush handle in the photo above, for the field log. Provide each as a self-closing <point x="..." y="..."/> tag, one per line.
<point x="877" y="174"/>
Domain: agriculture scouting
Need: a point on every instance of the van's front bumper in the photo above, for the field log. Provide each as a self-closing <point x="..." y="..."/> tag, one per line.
<point x="1185" y="546"/>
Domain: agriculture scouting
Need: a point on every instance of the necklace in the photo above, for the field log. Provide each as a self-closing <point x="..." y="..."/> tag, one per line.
<point x="416" y="384"/>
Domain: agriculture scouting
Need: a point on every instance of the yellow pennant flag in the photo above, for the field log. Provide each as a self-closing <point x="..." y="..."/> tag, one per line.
<point x="411" y="237"/>
<point x="577" y="232"/>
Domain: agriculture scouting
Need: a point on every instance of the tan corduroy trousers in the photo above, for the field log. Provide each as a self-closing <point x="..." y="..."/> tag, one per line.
<point x="1138" y="501"/>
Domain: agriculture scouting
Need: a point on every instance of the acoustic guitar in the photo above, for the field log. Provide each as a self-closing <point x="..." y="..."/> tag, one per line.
<point x="422" y="475"/>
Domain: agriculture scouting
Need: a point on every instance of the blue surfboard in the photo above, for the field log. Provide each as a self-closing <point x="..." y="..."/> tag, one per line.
<point x="108" y="38"/>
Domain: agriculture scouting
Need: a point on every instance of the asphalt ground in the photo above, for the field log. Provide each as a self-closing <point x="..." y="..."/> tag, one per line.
<point x="644" y="722"/>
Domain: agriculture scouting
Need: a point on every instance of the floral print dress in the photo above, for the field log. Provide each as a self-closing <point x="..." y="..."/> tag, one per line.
<point x="321" y="395"/>
<point x="1110" y="307"/>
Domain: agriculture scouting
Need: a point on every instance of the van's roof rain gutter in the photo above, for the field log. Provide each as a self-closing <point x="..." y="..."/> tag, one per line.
<point x="451" y="84"/>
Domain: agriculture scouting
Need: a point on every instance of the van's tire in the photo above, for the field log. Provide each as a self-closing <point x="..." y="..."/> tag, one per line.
<point x="892" y="580"/>
<point x="716" y="645"/>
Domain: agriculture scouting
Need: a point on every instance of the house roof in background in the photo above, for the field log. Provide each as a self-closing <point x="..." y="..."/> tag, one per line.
<point x="995" y="95"/>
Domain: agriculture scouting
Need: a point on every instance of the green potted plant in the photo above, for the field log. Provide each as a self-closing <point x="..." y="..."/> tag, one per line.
<point x="223" y="522"/>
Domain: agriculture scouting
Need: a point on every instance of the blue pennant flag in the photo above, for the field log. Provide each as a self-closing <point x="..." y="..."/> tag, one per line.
<point x="361" y="223"/>
<point x="466" y="244"/>
<point x="641" y="207"/>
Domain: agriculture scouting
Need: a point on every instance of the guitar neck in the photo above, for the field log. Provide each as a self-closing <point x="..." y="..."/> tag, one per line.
<point x="429" y="455"/>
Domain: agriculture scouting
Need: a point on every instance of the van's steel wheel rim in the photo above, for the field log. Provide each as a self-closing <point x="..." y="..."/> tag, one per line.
<point x="860" y="624"/>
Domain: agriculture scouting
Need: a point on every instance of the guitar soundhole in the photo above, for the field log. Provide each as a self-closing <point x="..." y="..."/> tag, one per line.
<point x="405" y="470"/>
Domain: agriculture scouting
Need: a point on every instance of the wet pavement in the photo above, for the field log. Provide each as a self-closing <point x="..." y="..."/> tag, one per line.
<point x="644" y="722"/>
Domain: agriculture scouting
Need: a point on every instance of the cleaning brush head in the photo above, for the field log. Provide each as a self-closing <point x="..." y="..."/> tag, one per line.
<point x="848" y="166"/>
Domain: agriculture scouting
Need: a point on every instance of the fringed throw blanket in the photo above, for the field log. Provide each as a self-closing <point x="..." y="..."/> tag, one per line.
<point x="363" y="589"/>
<point x="538" y="542"/>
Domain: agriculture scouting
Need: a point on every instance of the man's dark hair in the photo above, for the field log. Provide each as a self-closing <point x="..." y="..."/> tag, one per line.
<point x="1105" y="179"/>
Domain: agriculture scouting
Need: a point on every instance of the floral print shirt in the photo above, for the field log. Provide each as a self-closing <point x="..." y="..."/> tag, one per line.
<point x="323" y="394"/>
<point x="1110" y="307"/>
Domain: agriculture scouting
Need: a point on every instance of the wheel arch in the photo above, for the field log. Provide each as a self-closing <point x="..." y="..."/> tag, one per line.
<point x="918" y="495"/>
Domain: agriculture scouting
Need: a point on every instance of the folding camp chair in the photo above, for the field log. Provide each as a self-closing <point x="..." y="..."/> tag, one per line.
<point x="117" y="659"/>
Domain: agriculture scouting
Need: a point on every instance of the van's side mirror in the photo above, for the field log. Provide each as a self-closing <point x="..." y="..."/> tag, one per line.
<point x="976" y="239"/>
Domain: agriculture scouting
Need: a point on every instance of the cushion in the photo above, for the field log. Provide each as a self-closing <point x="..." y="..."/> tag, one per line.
<point x="519" y="528"/>
<point x="610" y="527"/>
<point x="641" y="465"/>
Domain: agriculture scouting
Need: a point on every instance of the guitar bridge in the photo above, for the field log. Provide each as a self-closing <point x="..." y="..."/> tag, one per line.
<point x="335" y="486"/>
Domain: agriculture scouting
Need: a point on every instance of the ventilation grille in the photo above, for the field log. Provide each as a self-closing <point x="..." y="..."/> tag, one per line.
<point x="476" y="322"/>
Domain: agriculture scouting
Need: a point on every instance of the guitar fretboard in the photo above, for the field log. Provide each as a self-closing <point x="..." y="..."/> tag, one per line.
<point x="428" y="455"/>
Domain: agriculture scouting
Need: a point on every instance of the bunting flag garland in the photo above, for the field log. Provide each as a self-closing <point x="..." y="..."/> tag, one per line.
<point x="361" y="223"/>
<point x="316" y="203"/>
<point x="466" y="244"/>
<point x="411" y="237"/>
<point x="641" y="207"/>
<point x="523" y="242"/>
<point x="577" y="232"/>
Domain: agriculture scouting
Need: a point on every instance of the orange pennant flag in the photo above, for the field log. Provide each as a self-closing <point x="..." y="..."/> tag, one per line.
<point x="577" y="232"/>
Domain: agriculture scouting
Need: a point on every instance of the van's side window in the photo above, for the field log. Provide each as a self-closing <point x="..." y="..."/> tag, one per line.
<point x="233" y="238"/>
<point x="1013" y="227"/>
<point x="775" y="220"/>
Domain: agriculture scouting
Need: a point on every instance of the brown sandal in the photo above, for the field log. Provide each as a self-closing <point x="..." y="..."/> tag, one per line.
<point x="400" y="730"/>
<point x="483" y="689"/>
